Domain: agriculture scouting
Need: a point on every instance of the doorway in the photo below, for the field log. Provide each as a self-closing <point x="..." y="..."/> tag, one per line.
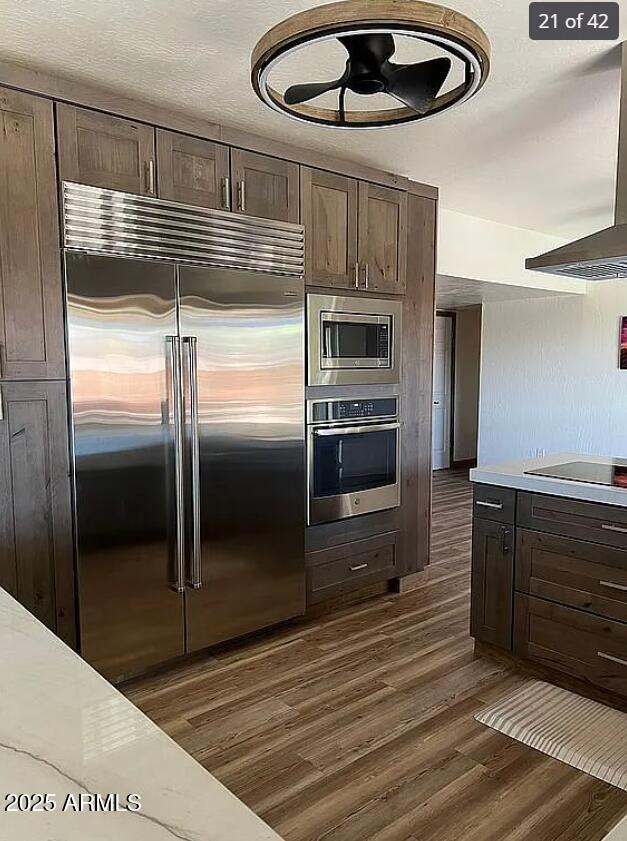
<point x="442" y="390"/>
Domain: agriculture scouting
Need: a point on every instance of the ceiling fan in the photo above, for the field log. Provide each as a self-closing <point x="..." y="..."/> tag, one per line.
<point x="367" y="31"/>
<point x="369" y="70"/>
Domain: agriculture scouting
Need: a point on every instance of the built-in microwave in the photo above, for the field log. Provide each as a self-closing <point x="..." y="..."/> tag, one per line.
<point x="353" y="340"/>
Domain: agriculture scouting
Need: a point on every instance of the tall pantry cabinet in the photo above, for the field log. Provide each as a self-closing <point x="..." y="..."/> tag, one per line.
<point x="36" y="553"/>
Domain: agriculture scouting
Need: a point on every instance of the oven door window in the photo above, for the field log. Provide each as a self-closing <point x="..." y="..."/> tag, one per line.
<point x="352" y="462"/>
<point x="355" y="340"/>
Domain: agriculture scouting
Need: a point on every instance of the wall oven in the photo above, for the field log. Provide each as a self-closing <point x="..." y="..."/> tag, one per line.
<point x="353" y="457"/>
<point x="353" y="340"/>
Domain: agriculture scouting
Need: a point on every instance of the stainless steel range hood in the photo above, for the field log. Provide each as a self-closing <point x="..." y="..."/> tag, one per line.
<point x="603" y="255"/>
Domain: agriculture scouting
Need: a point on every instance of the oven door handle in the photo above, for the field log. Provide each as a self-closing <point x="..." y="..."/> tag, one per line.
<point x="356" y="430"/>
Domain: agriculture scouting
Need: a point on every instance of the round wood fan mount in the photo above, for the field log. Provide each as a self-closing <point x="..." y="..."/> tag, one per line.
<point x="366" y="29"/>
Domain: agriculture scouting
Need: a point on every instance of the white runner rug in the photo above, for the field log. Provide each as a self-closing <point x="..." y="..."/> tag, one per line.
<point x="583" y="733"/>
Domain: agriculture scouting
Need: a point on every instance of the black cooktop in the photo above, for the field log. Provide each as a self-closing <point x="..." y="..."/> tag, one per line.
<point x="614" y="474"/>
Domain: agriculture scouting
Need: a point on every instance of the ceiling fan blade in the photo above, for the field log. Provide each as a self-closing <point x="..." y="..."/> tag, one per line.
<point x="417" y="85"/>
<point x="302" y="93"/>
<point x="369" y="51"/>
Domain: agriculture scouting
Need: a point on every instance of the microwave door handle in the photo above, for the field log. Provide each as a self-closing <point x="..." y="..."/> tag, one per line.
<point x="355" y="430"/>
<point x="327" y="340"/>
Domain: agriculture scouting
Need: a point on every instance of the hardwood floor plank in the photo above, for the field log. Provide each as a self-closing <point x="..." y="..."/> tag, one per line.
<point x="358" y="725"/>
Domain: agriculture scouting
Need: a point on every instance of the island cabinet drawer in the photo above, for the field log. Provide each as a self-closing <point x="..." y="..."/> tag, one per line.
<point x="340" y="569"/>
<point x="590" y="521"/>
<point x="491" y="502"/>
<point x="572" y="641"/>
<point x="586" y="576"/>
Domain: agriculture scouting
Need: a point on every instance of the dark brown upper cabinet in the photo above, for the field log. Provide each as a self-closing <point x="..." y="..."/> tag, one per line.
<point x="264" y="186"/>
<point x="356" y="233"/>
<point x="36" y="554"/>
<point x="329" y="213"/>
<point x="193" y="171"/>
<point x="383" y="238"/>
<point x="492" y="582"/>
<point x="106" y="151"/>
<point x="31" y="300"/>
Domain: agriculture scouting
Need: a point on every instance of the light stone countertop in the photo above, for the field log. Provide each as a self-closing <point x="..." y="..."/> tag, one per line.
<point x="512" y="475"/>
<point x="64" y="729"/>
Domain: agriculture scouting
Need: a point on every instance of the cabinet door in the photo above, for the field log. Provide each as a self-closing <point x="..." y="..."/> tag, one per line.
<point x="31" y="301"/>
<point x="264" y="186"/>
<point x="36" y="546"/>
<point x="105" y="151"/>
<point x="329" y="214"/>
<point x="383" y="238"/>
<point x="193" y="171"/>
<point x="492" y="582"/>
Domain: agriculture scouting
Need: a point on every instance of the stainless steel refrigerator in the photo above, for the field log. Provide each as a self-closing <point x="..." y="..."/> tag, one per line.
<point x="185" y="336"/>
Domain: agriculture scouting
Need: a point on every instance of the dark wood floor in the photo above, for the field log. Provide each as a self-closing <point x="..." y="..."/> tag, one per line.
<point x="359" y="724"/>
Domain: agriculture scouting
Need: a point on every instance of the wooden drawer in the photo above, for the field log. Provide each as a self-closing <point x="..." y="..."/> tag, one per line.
<point x="591" y="521"/>
<point x="350" y="566"/>
<point x="572" y="641"/>
<point x="491" y="502"/>
<point x="586" y="576"/>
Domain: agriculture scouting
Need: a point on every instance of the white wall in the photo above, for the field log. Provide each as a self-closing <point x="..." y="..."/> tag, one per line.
<point x="466" y="392"/>
<point x="550" y="378"/>
<point x="469" y="247"/>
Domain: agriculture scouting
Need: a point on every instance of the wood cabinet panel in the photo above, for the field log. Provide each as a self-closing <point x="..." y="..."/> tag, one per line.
<point x="572" y="641"/>
<point x="338" y="570"/>
<point x="192" y="171"/>
<point x="383" y="238"/>
<point x="31" y="298"/>
<point x="36" y="547"/>
<point x="591" y="521"/>
<point x="582" y="575"/>
<point x="492" y="582"/>
<point x="494" y="503"/>
<point x="105" y="151"/>
<point x="329" y="205"/>
<point x="264" y="186"/>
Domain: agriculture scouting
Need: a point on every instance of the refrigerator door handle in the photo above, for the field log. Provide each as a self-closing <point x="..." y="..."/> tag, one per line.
<point x="194" y="577"/>
<point x="174" y="347"/>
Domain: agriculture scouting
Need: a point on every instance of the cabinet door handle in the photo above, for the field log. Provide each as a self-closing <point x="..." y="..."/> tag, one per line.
<point x="618" y="529"/>
<point x="358" y="567"/>
<point x="226" y="193"/>
<point x="241" y="196"/>
<point x="611" y="658"/>
<point x="357" y="267"/>
<point x="1" y="406"/>
<point x="150" y="177"/>
<point x="498" y="506"/>
<point x="367" y="275"/>
<point x="613" y="586"/>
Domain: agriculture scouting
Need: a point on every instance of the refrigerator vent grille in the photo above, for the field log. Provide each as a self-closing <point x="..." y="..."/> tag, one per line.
<point x="118" y="224"/>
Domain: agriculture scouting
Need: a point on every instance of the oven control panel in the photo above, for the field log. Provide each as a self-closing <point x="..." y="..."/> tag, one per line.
<point x="338" y="410"/>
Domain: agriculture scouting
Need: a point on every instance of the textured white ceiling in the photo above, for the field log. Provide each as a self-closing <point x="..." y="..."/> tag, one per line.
<point x="536" y="148"/>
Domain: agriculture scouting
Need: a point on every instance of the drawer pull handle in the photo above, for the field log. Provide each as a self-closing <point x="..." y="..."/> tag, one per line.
<point x="496" y="505"/>
<point x="358" y="567"/>
<point x="613" y="586"/>
<point x="611" y="657"/>
<point x="619" y="529"/>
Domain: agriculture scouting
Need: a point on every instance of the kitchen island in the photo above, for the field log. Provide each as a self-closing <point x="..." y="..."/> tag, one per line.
<point x="82" y="758"/>
<point x="549" y="566"/>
